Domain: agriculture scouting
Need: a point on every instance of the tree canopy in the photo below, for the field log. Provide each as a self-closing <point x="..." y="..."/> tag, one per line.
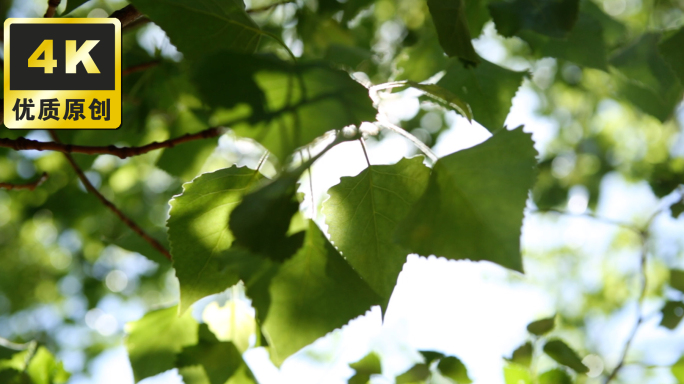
<point x="196" y="234"/>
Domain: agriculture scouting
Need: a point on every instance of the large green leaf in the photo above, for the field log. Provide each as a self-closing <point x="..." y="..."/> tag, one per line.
<point x="45" y="369"/>
<point x="450" y="20"/>
<point x="362" y="215"/>
<point x="647" y="80"/>
<point x="308" y="296"/>
<point x="487" y="88"/>
<point x="473" y="206"/>
<point x="219" y="360"/>
<point x="584" y="45"/>
<point x="553" y="18"/>
<point x="200" y="27"/>
<point x="260" y="223"/>
<point x="672" y="50"/>
<point x="199" y="234"/>
<point x="290" y="105"/>
<point x="154" y="340"/>
<point x="563" y="354"/>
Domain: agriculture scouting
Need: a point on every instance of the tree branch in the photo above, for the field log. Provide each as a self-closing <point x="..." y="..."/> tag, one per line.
<point x="21" y="143"/>
<point x="640" y="315"/>
<point x="139" y="67"/>
<point x="29" y="186"/>
<point x="127" y="15"/>
<point x="130" y="223"/>
<point x="52" y="8"/>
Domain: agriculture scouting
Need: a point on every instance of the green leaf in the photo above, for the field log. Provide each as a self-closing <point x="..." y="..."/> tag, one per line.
<point x="553" y="18"/>
<point x="308" y="296"/>
<point x="523" y="355"/>
<point x="187" y="160"/>
<point x="473" y="206"/>
<point x="487" y="88"/>
<point x="677" y="208"/>
<point x="367" y="366"/>
<point x="444" y="98"/>
<point x="292" y="105"/>
<point x="450" y="20"/>
<point x="678" y="370"/>
<point x="416" y="374"/>
<point x="154" y="340"/>
<point x="559" y="351"/>
<point x="194" y="374"/>
<point x="44" y="369"/>
<point x="555" y="376"/>
<point x="199" y="234"/>
<point x="647" y="80"/>
<point x="261" y="221"/>
<point x="362" y="215"/>
<point x="672" y="50"/>
<point x="200" y="27"/>
<point x="220" y="360"/>
<point x="584" y="45"/>
<point x="422" y="60"/>
<point x="73" y="4"/>
<point x="677" y="279"/>
<point x="672" y="314"/>
<point x="454" y="369"/>
<point x="431" y="356"/>
<point x="542" y="327"/>
<point x="517" y="374"/>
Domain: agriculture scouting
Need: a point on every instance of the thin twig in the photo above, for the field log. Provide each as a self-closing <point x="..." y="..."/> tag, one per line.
<point x="640" y="316"/>
<point x="29" y="186"/>
<point x="139" y="67"/>
<point x="590" y="215"/>
<point x="365" y="153"/>
<point x="52" y="8"/>
<point x="416" y="141"/>
<point x="21" y="144"/>
<point x="130" y="223"/>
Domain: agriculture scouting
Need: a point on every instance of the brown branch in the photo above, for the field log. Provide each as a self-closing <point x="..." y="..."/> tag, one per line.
<point x="29" y="186"/>
<point x="130" y="223"/>
<point x="139" y="67"/>
<point x="21" y="143"/>
<point x="127" y="15"/>
<point x="52" y="8"/>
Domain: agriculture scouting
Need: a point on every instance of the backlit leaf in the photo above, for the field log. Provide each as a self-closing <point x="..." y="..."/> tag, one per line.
<point x="367" y="366"/>
<point x="154" y="340"/>
<point x="450" y="20"/>
<point x="308" y="296"/>
<point x="199" y="234"/>
<point x="362" y="215"/>
<point x="487" y="88"/>
<point x="208" y="26"/>
<point x="454" y="369"/>
<point x="473" y="206"/>
<point x="542" y="327"/>
<point x="555" y="376"/>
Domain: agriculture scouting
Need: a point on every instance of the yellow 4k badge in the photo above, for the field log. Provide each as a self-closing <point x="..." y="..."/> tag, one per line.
<point x="62" y="73"/>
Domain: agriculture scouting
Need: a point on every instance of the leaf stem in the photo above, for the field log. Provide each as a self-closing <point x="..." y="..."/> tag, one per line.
<point x="365" y="153"/>
<point x="419" y="144"/>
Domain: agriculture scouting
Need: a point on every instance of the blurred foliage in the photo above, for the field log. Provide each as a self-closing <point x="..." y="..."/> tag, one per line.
<point x="607" y="78"/>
